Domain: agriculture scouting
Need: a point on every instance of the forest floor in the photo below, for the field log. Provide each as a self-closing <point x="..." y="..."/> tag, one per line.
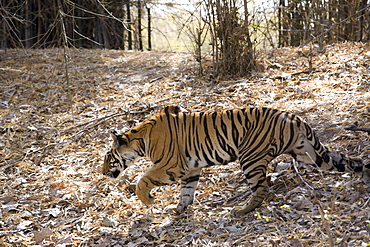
<point x="53" y="137"/>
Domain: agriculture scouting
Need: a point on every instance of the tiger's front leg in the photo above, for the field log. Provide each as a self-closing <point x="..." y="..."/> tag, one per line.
<point x="143" y="188"/>
<point x="188" y="185"/>
<point x="151" y="179"/>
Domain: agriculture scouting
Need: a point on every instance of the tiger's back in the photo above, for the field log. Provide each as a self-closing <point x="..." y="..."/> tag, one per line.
<point x="205" y="139"/>
<point x="180" y="143"/>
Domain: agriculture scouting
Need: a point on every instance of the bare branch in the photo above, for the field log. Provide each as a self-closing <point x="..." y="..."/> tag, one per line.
<point x="355" y="127"/>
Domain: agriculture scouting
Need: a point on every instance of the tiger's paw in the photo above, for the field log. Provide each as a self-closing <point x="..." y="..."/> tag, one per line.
<point x="366" y="177"/>
<point x="180" y="209"/>
<point x="146" y="198"/>
<point x="238" y="212"/>
<point x="147" y="201"/>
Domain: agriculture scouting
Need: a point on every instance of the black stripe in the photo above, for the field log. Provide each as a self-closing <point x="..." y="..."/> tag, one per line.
<point x="156" y="182"/>
<point x="191" y="179"/>
<point x="239" y="117"/>
<point x="208" y="160"/>
<point x="172" y="176"/>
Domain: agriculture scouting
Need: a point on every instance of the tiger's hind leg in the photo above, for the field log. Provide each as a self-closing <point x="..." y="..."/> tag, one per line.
<point x="303" y="151"/>
<point x="255" y="173"/>
<point x="188" y="185"/>
<point x="321" y="157"/>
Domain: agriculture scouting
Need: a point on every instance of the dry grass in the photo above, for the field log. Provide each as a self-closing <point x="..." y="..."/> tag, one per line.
<point x="53" y="138"/>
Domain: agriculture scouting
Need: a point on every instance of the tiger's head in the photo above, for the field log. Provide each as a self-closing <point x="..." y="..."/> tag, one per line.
<point x="127" y="147"/>
<point x="119" y="157"/>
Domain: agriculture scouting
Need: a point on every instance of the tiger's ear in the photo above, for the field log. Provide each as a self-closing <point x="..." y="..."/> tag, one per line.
<point x="118" y="140"/>
<point x="174" y="109"/>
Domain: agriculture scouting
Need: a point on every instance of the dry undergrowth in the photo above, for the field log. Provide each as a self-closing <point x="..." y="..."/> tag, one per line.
<point x="54" y="135"/>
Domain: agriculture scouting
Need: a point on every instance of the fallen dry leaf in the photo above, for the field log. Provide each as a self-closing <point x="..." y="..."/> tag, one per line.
<point x="43" y="234"/>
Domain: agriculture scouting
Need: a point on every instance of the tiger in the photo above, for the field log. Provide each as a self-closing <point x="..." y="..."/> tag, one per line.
<point x="180" y="143"/>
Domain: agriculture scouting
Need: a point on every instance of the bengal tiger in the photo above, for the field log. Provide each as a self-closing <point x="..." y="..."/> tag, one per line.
<point x="181" y="143"/>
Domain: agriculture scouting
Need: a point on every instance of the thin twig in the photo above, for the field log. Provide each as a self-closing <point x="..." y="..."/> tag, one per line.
<point x="299" y="176"/>
<point x="355" y="127"/>
<point x="326" y="224"/>
<point x="92" y="121"/>
<point x="324" y="220"/>
<point x="113" y="17"/>
<point x="65" y="42"/>
<point x="335" y="25"/>
<point x="95" y="122"/>
<point x="241" y="196"/>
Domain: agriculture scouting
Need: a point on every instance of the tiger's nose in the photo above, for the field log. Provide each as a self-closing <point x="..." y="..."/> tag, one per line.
<point x="113" y="174"/>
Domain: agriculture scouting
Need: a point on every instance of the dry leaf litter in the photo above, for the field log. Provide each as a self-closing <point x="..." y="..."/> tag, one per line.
<point x="54" y="136"/>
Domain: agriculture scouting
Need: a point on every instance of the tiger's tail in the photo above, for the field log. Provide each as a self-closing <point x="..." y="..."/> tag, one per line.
<point x="310" y="150"/>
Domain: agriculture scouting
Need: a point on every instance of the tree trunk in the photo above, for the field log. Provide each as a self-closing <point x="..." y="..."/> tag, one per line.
<point x="250" y="52"/>
<point x="139" y="29"/>
<point x="280" y="20"/>
<point x="129" y="35"/>
<point x="149" y="30"/>
<point x="363" y="4"/>
<point x="4" y="34"/>
<point x="27" y="28"/>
